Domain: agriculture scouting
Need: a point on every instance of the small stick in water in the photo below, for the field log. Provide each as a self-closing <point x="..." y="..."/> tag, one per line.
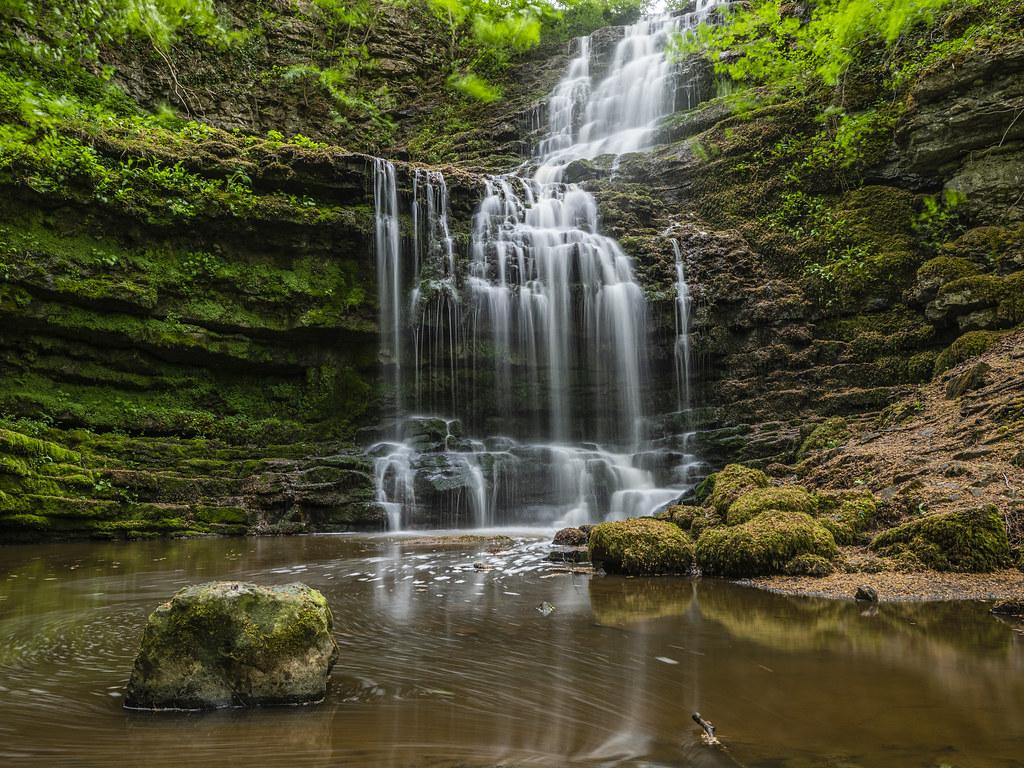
<point x="709" y="729"/>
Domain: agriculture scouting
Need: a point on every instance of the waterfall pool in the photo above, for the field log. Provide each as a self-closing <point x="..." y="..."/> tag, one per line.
<point x="446" y="659"/>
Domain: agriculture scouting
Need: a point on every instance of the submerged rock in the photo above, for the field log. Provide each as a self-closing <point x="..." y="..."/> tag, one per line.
<point x="642" y="546"/>
<point x="232" y="644"/>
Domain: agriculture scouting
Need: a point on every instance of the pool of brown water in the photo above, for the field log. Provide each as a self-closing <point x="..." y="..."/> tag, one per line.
<point x="446" y="664"/>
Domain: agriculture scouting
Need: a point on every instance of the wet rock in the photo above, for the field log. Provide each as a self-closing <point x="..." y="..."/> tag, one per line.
<point x="866" y="594"/>
<point x="233" y="644"/>
<point x="570" y="537"/>
<point x="569" y="555"/>
<point x="1009" y="608"/>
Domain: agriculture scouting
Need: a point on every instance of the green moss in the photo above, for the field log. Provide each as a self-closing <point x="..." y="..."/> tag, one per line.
<point x="732" y="482"/>
<point x="752" y="503"/>
<point x="847" y="514"/>
<point x="808" y="565"/>
<point x="222" y="515"/>
<point x="945" y="269"/>
<point x="680" y="514"/>
<point x="831" y="433"/>
<point x="763" y="545"/>
<point x="23" y="445"/>
<point x="642" y="546"/>
<point x="966" y="347"/>
<point x="970" y="540"/>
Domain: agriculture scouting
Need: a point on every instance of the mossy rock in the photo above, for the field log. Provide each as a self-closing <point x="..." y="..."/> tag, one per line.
<point x="764" y="545"/>
<point x="642" y="546"/>
<point x="831" y="433"/>
<point x="972" y="540"/>
<point x="847" y="514"/>
<point x="679" y="514"/>
<point x="225" y="644"/>
<point x="967" y="346"/>
<point x="809" y="565"/>
<point x="791" y="498"/>
<point x="731" y="483"/>
<point x="703" y="519"/>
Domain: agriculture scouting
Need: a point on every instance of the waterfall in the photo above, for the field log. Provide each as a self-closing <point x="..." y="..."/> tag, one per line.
<point x="389" y="270"/>
<point x="682" y="345"/>
<point x="548" y="317"/>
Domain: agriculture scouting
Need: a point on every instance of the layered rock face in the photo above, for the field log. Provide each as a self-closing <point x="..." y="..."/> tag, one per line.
<point x="230" y="644"/>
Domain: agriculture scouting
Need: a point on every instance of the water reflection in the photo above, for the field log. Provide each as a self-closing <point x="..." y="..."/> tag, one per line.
<point x="446" y="660"/>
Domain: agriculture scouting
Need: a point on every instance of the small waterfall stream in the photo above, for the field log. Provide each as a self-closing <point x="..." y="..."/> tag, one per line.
<point x="548" y="318"/>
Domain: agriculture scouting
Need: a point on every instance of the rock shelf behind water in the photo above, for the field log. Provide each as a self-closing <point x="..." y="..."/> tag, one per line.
<point x="225" y="644"/>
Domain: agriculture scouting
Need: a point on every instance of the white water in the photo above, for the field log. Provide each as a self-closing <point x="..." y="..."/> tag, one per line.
<point x="553" y="306"/>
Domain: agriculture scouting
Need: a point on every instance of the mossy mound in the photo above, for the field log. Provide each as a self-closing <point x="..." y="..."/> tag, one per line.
<point x="680" y="514"/>
<point x="787" y="498"/>
<point x="764" y="545"/>
<point x="642" y="546"/>
<point x="831" y="433"/>
<point x="731" y="483"/>
<point x="967" y="346"/>
<point x="970" y="540"/>
<point x="226" y="644"/>
<point x="808" y="565"/>
<point x="847" y="514"/>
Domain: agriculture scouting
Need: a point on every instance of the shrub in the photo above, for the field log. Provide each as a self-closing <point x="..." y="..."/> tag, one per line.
<point x="642" y="546"/>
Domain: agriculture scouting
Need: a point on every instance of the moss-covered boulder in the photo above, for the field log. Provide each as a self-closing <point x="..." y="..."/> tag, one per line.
<point x="763" y="545"/>
<point x="790" y="498"/>
<point x="642" y="546"/>
<point x="847" y="514"/>
<point x="970" y="540"/>
<point x="808" y="565"/>
<point x="231" y="644"/>
<point x="731" y="483"/>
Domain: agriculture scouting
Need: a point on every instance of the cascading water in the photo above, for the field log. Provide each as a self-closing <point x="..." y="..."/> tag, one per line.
<point x="682" y="345"/>
<point x="551" y="322"/>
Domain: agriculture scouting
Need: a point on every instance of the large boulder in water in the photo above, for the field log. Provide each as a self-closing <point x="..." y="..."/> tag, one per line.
<point x="231" y="644"/>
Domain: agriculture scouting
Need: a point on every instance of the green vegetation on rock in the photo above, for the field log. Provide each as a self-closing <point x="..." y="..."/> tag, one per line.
<point x="227" y="644"/>
<point x="763" y="545"/>
<point x="969" y="540"/>
<point x="641" y="546"/>
<point x="732" y="482"/>
<point x="753" y="503"/>
<point x="831" y="433"/>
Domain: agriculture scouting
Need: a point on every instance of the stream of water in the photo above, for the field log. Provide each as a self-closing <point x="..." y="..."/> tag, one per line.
<point x="446" y="664"/>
